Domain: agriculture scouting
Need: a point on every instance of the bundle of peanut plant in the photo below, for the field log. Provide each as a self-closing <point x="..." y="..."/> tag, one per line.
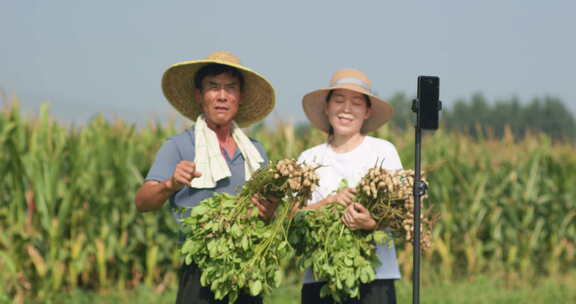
<point x="388" y="195"/>
<point x="236" y="250"/>
<point x="344" y="258"/>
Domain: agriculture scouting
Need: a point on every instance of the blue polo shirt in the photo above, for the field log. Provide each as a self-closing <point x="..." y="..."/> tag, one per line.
<point x="181" y="147"/>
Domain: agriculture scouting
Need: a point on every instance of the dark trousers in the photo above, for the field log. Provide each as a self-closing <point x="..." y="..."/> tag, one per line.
<point x="190" y="291"/>
<point x="376" y="292"/>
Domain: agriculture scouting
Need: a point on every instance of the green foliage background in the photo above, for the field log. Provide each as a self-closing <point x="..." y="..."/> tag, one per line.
<point x="68" y="221"/>
<point x="478" y="116"/>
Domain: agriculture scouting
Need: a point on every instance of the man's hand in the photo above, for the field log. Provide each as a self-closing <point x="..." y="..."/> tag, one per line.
<point x="266" y="207"/>
<point x="183" y="174"/>
<point x="357" y="216"/>
<point x="152" y="194"/>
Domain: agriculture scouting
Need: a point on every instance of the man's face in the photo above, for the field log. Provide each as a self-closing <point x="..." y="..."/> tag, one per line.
<point x="219" y="98"/>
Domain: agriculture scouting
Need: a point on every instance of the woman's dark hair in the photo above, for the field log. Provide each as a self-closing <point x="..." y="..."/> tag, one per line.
<point x="331" y="129"/>
<point x="215" y="69"/>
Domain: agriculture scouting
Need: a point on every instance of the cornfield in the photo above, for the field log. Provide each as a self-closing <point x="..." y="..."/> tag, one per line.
<point x="67" y="217"/>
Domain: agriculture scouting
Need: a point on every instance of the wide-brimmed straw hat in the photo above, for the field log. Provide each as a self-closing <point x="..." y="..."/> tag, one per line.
<point x="179" y="88"/>
<point x="350" y="79"/>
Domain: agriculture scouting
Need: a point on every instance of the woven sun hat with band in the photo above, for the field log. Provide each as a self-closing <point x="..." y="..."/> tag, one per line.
<point x="179" y="88"/>
<point x="350" y="79"/>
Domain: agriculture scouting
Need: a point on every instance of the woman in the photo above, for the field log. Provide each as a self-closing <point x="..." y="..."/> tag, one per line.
<point x="347" y="110"/>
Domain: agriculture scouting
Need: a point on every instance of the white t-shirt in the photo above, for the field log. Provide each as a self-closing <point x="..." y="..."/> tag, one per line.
<point x="352" y="166"/>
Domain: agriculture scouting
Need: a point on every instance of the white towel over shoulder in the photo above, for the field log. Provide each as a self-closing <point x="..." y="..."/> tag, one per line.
<point x="209" y="159"/>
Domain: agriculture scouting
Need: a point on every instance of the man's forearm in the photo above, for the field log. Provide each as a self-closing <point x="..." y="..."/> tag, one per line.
<point x="152" y="195"/>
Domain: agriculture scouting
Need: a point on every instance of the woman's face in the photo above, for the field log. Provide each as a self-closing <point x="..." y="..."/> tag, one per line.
<point x="346" y="111"/>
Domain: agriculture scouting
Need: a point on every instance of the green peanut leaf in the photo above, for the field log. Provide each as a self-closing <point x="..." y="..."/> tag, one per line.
<point x="198" y="210"/>
<point x="380" y="236"/>
<point x="244" y="243"/>
<point x="277" y="278"/>
<point x="255" y="287"/>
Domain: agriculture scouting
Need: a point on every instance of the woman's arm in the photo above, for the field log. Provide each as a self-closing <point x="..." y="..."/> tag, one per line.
<point x="344" y="197"/>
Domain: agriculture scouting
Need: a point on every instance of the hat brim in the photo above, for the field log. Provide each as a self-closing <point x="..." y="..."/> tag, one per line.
<point x="314" y="104"/>
<point x="258" y="98"/>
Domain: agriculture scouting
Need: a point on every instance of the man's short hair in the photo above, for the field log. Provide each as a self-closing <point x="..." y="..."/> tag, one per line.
<point x="215" y="69"/>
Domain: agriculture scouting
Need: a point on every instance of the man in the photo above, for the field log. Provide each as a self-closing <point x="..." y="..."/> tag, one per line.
<point x="214" y="155"/>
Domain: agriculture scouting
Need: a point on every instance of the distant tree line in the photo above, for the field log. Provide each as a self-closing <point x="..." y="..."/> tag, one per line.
<point x="478" y="117"/>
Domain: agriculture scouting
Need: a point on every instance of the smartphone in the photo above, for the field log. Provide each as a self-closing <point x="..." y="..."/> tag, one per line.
<point x="428" y="94"/>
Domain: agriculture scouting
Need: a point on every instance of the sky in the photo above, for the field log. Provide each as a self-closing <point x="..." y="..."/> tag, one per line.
<point x="89" y="57"/>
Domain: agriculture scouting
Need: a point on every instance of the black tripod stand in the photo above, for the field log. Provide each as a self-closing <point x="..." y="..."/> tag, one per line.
<point x="426" y="106"/>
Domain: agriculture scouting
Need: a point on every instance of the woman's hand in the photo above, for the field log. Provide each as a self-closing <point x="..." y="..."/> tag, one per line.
<point x="343" y="197"/>
<point x="357" y="216"/>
